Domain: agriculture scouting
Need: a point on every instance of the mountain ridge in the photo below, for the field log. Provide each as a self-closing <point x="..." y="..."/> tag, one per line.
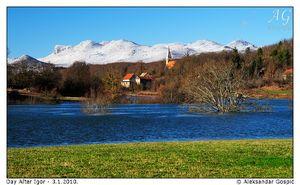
<point x="127" y="51"/>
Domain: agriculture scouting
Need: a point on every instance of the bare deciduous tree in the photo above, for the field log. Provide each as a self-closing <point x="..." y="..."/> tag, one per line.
<point x="104" y="97"/>
<point x="213" y="87"/>
<point x="98" y="105"/>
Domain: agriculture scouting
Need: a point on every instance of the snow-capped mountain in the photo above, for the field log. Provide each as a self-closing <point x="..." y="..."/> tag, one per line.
<point x="28" y="60"/>
<point x="127" y="51"/>
<point x="241" y="45"/>
<point x="29" y="63"/>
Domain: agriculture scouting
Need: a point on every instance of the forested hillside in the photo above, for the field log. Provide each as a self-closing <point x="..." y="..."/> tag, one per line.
<point x="263" y="67"/>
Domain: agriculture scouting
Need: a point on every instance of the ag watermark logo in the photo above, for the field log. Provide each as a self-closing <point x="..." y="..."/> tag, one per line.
<point x="281" y="19"/>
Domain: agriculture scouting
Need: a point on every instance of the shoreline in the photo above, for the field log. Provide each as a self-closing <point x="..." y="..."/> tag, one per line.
<point x="24" y="97"/>
<point x="147" y="142"/>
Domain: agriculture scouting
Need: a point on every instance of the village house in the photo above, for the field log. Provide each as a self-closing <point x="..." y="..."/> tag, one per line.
<point x="287" y="74"/>
<point x="146" y="80"/>
<point x="130" y="80"/>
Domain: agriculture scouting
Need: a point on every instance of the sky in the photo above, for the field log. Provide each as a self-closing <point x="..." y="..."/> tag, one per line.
<point x="35" y="31"/>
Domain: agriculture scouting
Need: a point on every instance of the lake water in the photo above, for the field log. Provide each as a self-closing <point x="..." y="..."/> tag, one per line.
<point x="62" y="124"/>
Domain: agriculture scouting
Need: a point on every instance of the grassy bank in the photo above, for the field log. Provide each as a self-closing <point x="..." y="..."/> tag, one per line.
<point x="236" y="158"/>
<point x="271" y="93"/>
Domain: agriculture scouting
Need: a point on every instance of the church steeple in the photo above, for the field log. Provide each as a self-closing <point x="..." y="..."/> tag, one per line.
<point x="170" y="62"/>
<point x="169" y="56"/>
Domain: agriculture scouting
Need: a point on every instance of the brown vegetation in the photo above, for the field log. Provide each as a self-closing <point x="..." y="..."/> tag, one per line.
<point x="257" y="69"/>
<point x="215" y="88"/>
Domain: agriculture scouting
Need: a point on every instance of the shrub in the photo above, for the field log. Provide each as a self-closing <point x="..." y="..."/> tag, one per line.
<point x="215" y="88"/>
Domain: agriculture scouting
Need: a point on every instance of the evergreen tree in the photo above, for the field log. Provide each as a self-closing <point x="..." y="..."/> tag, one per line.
<point x="47" y="79"/>
<point x="259" y="61"/>
<point x="77" y="82"/>
<point x="236" y="59"/>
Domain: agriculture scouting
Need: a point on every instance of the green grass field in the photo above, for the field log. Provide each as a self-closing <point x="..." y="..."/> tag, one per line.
<point x="203" y="159"/>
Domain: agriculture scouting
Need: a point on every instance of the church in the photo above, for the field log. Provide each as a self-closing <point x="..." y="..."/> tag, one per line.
<point x="170" y="62"/>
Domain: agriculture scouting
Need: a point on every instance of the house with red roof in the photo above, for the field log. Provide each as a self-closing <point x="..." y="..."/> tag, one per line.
<point x="130" y="79"/>
<point x="287" y="74"/>
<point x="144" y="80"/>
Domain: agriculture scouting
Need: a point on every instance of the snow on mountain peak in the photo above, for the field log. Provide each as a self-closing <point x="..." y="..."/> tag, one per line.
<point x="24" y="57"/>
<point x="87" y="44"/>
<point x="60" y="48"/>
<point x="28" y="63"/>
<point x="206" y="46"/>
<point x="245" y="43"/>
<point x="121" y="42"/>
<point x="241" y="45"/>
<point x="127" y="51"/>
<point x="206" y="42"/>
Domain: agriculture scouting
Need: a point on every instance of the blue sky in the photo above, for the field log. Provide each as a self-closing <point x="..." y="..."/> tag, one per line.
<point x="35" y="31"/>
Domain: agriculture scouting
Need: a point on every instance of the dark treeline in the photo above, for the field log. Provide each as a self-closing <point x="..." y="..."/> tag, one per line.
<point x="264" y="66"/>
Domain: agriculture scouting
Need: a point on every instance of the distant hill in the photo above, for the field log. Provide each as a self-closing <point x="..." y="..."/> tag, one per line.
<point x="29" y="63"/>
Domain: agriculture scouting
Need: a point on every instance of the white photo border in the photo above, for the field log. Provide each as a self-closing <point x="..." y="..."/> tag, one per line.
<point x="4" y="4"/>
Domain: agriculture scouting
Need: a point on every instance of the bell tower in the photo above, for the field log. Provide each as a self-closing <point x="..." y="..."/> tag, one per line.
<point x="170" y="62"/>
<point x="168" y="57"/>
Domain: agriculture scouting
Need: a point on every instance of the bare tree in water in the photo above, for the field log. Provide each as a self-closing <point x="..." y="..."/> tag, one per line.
<point x="99" y="105"/>
<point x="215" y="87"/>
<point x="104" y="93"/>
